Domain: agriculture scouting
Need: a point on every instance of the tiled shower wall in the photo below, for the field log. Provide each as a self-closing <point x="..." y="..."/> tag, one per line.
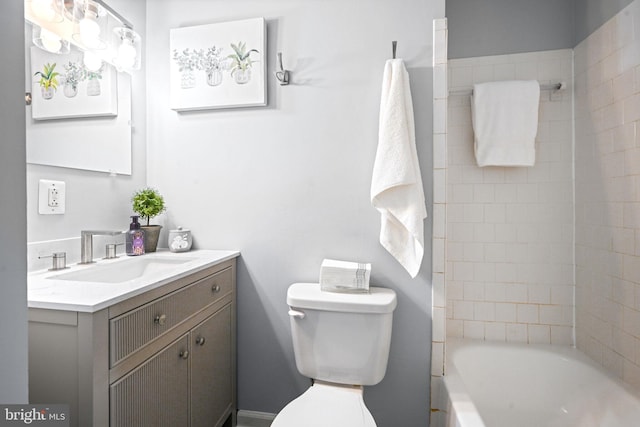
<point x="438" y="336"/>
<point x="509" y="251"/>
<point x="607" y="98"/>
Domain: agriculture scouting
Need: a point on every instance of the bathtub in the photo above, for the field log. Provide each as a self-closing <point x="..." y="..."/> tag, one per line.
<point x="519" y="385"/>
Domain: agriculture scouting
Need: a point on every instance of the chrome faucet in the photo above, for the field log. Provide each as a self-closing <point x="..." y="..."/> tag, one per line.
<point x="86" y="243"/>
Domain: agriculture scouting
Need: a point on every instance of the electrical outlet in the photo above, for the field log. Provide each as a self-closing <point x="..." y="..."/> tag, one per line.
<point x="51" y="197"/>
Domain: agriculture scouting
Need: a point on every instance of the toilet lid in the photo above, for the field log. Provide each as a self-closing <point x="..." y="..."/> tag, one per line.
<point x="325" y="405"/>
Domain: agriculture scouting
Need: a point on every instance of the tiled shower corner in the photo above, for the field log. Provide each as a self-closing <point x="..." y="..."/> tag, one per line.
<point x="440" y="93"/>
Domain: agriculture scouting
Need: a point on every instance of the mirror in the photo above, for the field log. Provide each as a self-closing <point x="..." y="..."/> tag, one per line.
<point x="84" y="121"/>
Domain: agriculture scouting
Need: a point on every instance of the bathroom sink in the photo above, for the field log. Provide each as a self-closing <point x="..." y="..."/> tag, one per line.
<point x="122" y="270"/>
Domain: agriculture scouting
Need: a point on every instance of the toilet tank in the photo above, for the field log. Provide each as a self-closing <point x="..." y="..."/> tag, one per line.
<point x="341" y="337"/>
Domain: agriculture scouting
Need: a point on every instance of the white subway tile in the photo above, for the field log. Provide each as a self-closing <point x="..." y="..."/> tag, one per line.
<point x="485" y="311"/>
<point x="483" y="73"/>
<point x="506" y="312"/>
<point x="527" y="313"/>
<point x="561" y="335"/>
<point x="438" y="324"/>
<point x="517" y="332"/>
<point x="463" y="310"/>
<point x="438" y="294"/>
<point x="495" y="331"/>
<point x="455" y="328"/>
<point x="461" y="77"/>
<point x="539" y="334"/>
<point x="473" y="329"/>
<point x="437" y="358"/>
<point x="473" y="291"/>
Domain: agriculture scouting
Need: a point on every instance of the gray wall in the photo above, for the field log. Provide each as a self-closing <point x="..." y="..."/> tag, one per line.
<point x="288" y="184"/>
<point x="13" y="232"/>
<point x="591" y="14"/>
<point x="497" y="27"/>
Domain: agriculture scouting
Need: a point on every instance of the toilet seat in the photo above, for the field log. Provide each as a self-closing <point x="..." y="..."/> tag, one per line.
<point x="326" y="404"/>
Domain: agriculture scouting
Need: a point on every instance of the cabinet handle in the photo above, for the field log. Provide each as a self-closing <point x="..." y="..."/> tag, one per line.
<point x="215" y="288"/>
<point x="200" y="341"/>
<point x="160" y="320"/>
<point x="184" y="354"/>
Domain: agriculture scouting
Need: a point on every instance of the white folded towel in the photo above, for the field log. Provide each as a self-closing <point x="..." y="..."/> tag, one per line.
<point x="505" y="122"/>
<point x="344" y="276"/>
<point x="396" y="185"/>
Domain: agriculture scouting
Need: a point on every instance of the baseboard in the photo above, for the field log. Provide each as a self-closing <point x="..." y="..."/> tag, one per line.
<point x="254" y="418"/>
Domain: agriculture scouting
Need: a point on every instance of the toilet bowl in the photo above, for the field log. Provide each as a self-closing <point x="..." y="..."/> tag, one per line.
<point x="324" y="405"/>
<point x="342" y="342"/>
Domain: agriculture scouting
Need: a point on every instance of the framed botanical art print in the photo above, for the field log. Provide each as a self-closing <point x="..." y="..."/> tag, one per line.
<point x="63" y="88"/>
<point x="218" y="65"/>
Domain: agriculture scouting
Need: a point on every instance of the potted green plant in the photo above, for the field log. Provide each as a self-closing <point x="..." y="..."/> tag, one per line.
<point x="241" y="62"/>
<point x="212" y="64"/>
<point x="188" y="61"/>
<point x="74" y="74"/>
<point x="93" y="86"/>
<point x="48" y="80"/>
<point x="148" y="203"/>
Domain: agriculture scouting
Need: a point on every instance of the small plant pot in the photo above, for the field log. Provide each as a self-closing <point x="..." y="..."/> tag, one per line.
<point x="151" y="235"/>
<point x="47" y="92"/>
<point x="93" y="87"/>
<point x="214" y="78"/>
<point x="242" y="76"/>
<point x="187" y="79"/>
<point x="70" y="90"/>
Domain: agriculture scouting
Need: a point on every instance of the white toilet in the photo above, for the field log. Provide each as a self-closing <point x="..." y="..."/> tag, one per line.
<point x="341" y="341"/>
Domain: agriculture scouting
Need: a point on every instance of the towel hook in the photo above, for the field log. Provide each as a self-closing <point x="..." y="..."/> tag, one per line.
<point x="394" y="45"/>
<point x="282" y="75"/>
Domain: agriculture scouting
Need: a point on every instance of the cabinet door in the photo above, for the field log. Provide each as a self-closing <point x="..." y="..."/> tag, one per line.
<point x="156" y="393"/>
<point x="211" y="374"/>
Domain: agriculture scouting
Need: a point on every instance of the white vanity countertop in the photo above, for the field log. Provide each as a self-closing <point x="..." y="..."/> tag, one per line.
<point x="46" y="291"/>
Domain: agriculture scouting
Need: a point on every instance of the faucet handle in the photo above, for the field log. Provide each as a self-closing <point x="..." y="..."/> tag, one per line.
<point x="59" y="261"/>
<point x="110" y="250"/>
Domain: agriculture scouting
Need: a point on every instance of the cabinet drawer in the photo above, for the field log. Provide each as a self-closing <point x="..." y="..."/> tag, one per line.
<point x="134" y="329"/>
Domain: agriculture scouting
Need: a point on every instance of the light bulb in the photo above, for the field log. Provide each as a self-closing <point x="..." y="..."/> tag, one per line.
<point x="91" y="61"/>
<point x="126" y="54"/>
<point x="50" y="41"/>
<point x="44" y="9"/>
<point x="90" y="32"/>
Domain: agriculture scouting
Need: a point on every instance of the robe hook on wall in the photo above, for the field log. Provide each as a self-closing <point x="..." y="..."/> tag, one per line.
<point x="282" y="75"/>
<point x="394" y="45"/>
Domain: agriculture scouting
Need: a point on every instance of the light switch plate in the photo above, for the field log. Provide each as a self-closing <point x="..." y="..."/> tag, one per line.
<point x="51" y="197"/>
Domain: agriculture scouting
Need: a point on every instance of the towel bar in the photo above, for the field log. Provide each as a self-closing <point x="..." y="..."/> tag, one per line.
<point x="554" y="87"/>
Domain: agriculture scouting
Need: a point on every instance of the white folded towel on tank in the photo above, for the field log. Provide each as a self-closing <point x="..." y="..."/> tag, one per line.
<point x="344" y="276"/>
<point x="505" y="122"/>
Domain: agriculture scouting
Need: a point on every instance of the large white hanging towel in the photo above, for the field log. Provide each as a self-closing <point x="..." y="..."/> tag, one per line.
<point x="505" y="122"/>
<point x="396" y="185"/>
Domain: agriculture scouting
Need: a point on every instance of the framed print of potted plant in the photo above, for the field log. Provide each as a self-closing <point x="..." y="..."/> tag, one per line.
<point x="242" y="62"/>
<point x="84" y="93"/>
<point x="225" y="64"/>
<point x="74" y="73"/>
<point x="48" y="80"/>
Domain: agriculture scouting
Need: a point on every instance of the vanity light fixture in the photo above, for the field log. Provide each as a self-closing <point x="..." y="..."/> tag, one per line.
<point x="91" y="26"/>
<point x="91" y="61"/>
<point x="49" y="41"/>
<point x="47" y="10"/>
<point x="89" y="18"/>
<point x="127" y="55"/>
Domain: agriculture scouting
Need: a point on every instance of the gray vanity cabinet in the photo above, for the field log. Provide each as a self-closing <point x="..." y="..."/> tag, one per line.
<point x="162" y="358"/>
<point x="211" y="370"/>
<point x="156" y="393"/>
